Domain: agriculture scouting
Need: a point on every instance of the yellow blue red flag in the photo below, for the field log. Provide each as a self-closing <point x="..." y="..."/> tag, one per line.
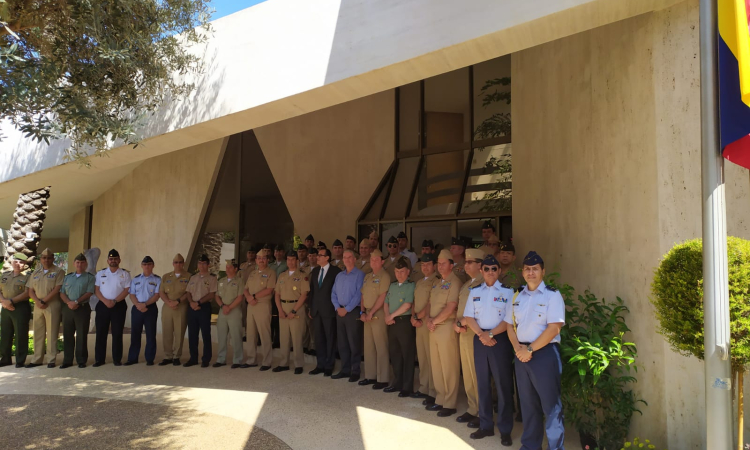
<point x="734" y="80"/>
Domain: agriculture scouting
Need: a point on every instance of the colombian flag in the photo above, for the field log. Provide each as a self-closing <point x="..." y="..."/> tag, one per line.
<point x="734" y="80"/>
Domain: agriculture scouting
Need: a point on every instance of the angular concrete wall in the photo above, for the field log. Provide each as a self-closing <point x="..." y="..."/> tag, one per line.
<point x="606" y="159"/>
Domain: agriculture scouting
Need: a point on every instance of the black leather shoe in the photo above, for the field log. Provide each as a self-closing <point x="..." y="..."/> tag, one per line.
<point x="82" y="366"/>
<point x="32" y="365"/>
<point x="481" y="434"/>
<point x="204" y="365"/>
<point x="354" y="378"/>
<point x="403" y="394"/>
<point x="434" y="407"/>
<point x="19" y="366"/>
<point x="390" y="389"/>
<point x="445" y="412"/>
<point x="313" y="353"/>
<point x="505" y="439"/>
<point x="117" y="363"/>
<point x="327" y="373"/>
<point x="429" y="401"/>
<point x="474" y="423"/>
<point x="264" y="368"/>
<point x="280" y="368"/>
<point x="418" y="395"/>
<point x="315" y="371"/>
<point x="298" y="370"/>
<point x="65" y="366"/>
<point x="3" y="364"/>
<point x="149" y="363"/>
<point x="340" y="375"/>
<point x="218" y="364"/>
<point x="175" y="362"/>
<point x="98" y="364"/>
<point x="465" y="417"/>
<point x="247" y="366"/>
<point x="130" y="363"/>
<point x="190" y="364"/>
<point x="51" y="365"/>
<point x="379" y="386"/>
<point x="235" y="366"/>
<point x="165" y="362"/>
<point x="366" y="381"/>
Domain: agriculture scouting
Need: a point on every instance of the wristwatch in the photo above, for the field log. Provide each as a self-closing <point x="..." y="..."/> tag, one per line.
<point x="528" y="347"/>
<point x="253" y="296"/>
<point x="361" y="312"/>
<point x="458" y="324"/>
<point x="294" y="311"/>
<point x="491" y="335"/>
<point x="42" y="302"/>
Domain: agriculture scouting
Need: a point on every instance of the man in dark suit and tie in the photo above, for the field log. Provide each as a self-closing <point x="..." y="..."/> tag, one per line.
<point x="323" y="313"/>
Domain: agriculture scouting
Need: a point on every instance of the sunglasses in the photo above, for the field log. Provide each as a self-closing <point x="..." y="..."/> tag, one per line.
<point x="490" y="268"/>
<point x="392" y="245"/>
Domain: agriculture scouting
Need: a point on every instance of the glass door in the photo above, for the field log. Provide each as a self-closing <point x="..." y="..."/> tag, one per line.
<point x="439" y="232"/>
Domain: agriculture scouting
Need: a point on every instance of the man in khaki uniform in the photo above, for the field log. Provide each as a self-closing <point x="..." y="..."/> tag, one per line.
<point x="44" y="288"/>
<point x="229" y="298"/>
<point x="291" y="293"/>
<point x="473" y="266"/>
<point x="351" y="244"/>
<point x="279" y="255"/>
<point x="488" y="231"/>
<point x="374" y="240"/>
<point x="392" y="258"/>
<point x="309" y="241"/>
<point x="458" y="247"/>
<point x="509" y="274"/>
<point x="201" y="290"/>
<point x="374" y="289"/>
<point x="302" y="263"/>
<point x="421" y="312"/>
<point x="173" y="292"/>
<point x="416" y="273"/>
<point x="337" y="251"/>
<point x="16" y="313"/>
<point x="249" y="264"/>
<point x="444" y="356"/>
<point x="363" y="263"/>
<point x="309" y="341"/>
<point x="259" y="295"/>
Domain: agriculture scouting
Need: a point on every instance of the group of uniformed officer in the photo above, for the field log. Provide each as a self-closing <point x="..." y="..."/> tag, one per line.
<point x="464" y="310"/>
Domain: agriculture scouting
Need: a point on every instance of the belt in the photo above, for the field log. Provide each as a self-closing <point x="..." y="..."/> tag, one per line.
<point x="525" y="343"/>
<point x="289" y="301"/>
<point x="398" y="318"/>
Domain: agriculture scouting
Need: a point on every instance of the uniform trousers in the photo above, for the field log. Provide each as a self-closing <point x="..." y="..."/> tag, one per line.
<point x="75" y="333"/>
<point x="15" y="324"/>
<point x="259" y="322"/>
<point x="349" y="332"/>
<point x="377" y="366"/>
<point x="401" y="338"/>
<point x="291" y="333"/>
<point x="466" y="347"/>
<point x="445" y="363"/>
<point x="495" y="363"/>
<point x="46" y="325"/>
<point x="231" y="324"/>
<point x="173" y="326"/>
<point x="200" y="322"/>
<point x="309" y="341"/>
<point x="325" y="341"/>
<point x="539" y="390"/>
<point x="106" y="317"/>
<point x="139" y="321"/>
<point x="426" y="383"/>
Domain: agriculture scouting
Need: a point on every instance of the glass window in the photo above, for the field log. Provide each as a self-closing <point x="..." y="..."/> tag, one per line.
<point x="364" y="232"/>
<point x="472" y="228"/>
<point x="506" y="228"/>
<point x="439" y="232"/>
<point x="408" y="117"/>
<point x="446" y="104"/>
<point x="489" y="188"/>
<point x="492" y="98"/>
<point x="439" y="185"/>
<point x="401" y="191"/>
<point x="377" y="206"/>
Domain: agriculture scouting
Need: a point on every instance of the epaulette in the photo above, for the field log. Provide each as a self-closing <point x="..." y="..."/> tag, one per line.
<point x="126" y="270"/>
<point x="506" y="286"/>
<point x="550" y="288"/>
<point x="139" y="275"/>
<point x="157" y="276"/>
<point x="69" y="273"/>
<point x="479" y="285"/>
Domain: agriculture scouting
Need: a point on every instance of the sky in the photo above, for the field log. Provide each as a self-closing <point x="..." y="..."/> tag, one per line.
<point x="227" y="7"/>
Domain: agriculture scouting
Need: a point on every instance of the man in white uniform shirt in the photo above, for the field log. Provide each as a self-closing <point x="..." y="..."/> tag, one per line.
<point x="112" y="286"/>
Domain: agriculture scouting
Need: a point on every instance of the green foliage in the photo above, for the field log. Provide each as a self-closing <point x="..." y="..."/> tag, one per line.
<point x="678" y="298"/>
<point x="31" y="346"/>
<point x="92" y="71"/>
<point x="597" y="365"/>
<point x="637" y="443"/>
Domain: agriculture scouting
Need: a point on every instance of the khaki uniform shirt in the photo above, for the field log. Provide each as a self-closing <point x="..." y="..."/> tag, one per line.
<point x="200" y="285"/>
<point x="512" y="278"/>
<point x="10" y="285"/>
<point x="261" y="279"/>
<point x="174" y="286"/>
<point x="339" y="263"/>
<point x="444" y="292"/>
<point x="422" y="291"/>
<point x="416" y="272"/>
<point x="229" y="290"/>
<point x="389" y="265"/>
<point x="291" y="287"/>
<point x="458" y="269"/>
<point x="245" y="270"/>
<point x="373" y="286"/>
<point x="463" y="295"/>
<point x="75" y="286"/>
<point x="43" y="283"/>
<point x="364" y="265"/>
<point x="487" y="249"/>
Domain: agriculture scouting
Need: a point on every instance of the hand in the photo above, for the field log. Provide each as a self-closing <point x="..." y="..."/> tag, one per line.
<point x="456" y="328"/>
<point x="309" y="315"/>
<point x="174" y="304"/>
<point x="390" y="320"/>
<point x="73" y="305"/>
<point x="225" y="309"/>
<point x="363" y="317"/>
<point x="523" y="355"/>
<point x="431" y="324"/>
<point x="141" y="307"/>
<point x="290" y="316"/>
<point x="282" y="315"/>
<point x="195" y="305"/>
<point x="8" y="305"/>
<point x="40" y="306"/>
<point x="341" y="312"/>
<point x="252" y="301"/>
<point x="416" y="323"/>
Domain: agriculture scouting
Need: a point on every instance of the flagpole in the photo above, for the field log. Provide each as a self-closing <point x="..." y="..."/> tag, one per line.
<point x="715" y="280"/>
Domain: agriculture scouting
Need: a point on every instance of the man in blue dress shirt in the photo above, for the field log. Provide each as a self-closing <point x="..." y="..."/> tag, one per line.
<point x="493" y="353"/>
<point x="144" y="292"/>
<point x="346" y="297"/>
<point x="535" y="318"/>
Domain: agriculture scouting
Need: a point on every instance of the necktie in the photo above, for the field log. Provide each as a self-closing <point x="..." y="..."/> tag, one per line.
<point x="320" y="280"/>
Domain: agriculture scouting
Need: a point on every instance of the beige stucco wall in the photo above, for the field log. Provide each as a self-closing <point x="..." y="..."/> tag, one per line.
<point x="76" y="236"/>
<point x="328" y="163"/>
<point x="606" y="140"/>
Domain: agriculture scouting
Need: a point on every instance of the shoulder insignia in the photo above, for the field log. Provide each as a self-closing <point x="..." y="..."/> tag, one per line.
<point x="550" y="288"/>
<point x="506" y="286"/>
<point x="474" y="287"/>
<point x="139" y="275"/>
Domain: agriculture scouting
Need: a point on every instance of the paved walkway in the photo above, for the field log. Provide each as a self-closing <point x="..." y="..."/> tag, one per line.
<point x="176" y="407"/>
